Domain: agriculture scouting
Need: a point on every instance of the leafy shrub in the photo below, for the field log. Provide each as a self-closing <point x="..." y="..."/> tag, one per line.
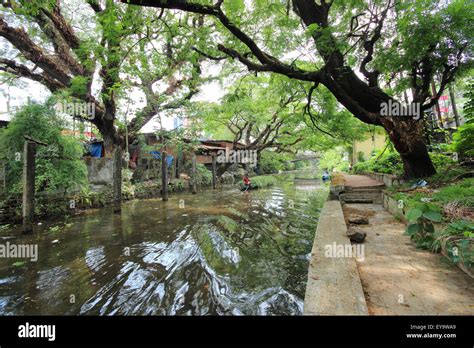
<point x="388" y="163"/>
<point x="463" y="141"/>
<point x="204" y="175"/>
<point x="272" y="162"/>
<point x="458" y="240"/>
<point x="421" y="228"/>
<point x="360" y="156"/>
<point x="441" y="161"/>
<point x="468" y="107"/>
<point x="58" y="165"/>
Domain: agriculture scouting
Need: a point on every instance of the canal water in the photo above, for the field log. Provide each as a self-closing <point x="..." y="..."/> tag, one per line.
<point x="219" y="252"/>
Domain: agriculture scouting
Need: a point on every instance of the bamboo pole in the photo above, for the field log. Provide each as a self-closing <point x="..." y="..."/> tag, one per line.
<point x="214" y="165"/>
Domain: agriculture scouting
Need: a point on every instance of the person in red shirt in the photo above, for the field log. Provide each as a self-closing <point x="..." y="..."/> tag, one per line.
<point x="247" y="183"/>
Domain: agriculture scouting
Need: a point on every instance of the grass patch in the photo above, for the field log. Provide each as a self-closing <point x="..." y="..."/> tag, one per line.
<point x="462" y="192"/>
<point x="263" y="181"/>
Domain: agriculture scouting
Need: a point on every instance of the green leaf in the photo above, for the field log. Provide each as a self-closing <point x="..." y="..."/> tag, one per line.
<point x="414" y="214"/>
<point x="429" y="228"/>
<point x="412" y="229"/>
<point x="433" y="216"/>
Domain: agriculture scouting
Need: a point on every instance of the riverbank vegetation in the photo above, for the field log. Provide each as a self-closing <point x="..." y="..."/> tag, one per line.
<point x="440" y="217"/>
<point x="59" y="168"/>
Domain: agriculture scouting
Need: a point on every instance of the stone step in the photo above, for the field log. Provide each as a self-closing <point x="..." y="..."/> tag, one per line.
<point x="364" y="188"/>
<point x="361" y="197"/>
<point x="357" y="201"/>
<point x="362" y="191"/>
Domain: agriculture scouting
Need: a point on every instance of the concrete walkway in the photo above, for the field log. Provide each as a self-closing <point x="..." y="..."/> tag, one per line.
<point x="399" y="279"/>
<point x="361" y="189"/>
<point x="361" y="181"/>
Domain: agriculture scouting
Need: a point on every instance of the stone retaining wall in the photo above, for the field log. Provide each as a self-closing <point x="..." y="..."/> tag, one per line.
<point x="59" y="205"/>
<point x="388" y="179"/>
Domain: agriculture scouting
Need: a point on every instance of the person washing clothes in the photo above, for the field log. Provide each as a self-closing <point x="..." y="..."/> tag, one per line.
<point x="247" y="183"/>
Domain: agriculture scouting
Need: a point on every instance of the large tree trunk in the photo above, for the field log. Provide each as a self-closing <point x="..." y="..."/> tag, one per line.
<point x="111" y="138"/>
<point x="406" y="133"/>
<point x="408" y="139"/>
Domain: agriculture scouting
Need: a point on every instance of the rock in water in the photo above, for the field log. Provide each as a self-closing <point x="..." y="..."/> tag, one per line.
<point x="356" y="235"/>
<point x="359" y="220"/>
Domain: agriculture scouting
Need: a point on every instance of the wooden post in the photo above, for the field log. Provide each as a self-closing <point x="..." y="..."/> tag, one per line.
<point x="117" y="179"/>
<point x="164" y="176"/>
<point x="173" y="169"/>
<point x="29" y="152"/>
<point x="214" y="161"/>
<point x="194" y="175"/>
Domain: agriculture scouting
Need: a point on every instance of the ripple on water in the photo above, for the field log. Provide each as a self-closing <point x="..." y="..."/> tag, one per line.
<point x="228" y="254"/>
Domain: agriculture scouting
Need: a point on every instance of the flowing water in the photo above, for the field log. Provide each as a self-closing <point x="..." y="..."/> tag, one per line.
<point x="220" y="252"/>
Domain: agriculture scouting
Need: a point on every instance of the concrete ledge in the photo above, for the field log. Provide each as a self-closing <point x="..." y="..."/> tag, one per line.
<point x="333" y="286"/>
<point x="391" y="205"/>
<point x="388" y="179"/>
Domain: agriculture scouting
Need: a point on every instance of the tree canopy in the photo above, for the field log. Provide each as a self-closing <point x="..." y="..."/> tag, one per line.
<point x="101" y="53"/>
<point x="324" y="55"/>
<point x="270" y="112"/>
<point x="363" y="52"/>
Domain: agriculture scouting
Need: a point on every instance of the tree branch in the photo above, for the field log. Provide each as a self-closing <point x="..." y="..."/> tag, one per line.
<point x="372" y="76"/>
<point x="267" y="62"/>
<point x="20" y="39"/>
<point x="21" y="70"/>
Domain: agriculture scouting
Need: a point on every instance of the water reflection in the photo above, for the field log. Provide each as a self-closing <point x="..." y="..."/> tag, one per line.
<point x="224" y="253"/>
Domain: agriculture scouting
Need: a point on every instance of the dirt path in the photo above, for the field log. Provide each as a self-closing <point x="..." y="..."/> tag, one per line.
<point x="399" y="279"/>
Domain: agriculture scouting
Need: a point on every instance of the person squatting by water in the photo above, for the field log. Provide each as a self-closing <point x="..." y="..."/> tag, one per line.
<point x="247" y="183"/>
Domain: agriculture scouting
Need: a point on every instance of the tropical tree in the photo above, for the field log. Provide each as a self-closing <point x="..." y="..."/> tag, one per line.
<point x="100" y="52"/>
<point x="364" y="52"/>
<point x="270" y="113"/>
